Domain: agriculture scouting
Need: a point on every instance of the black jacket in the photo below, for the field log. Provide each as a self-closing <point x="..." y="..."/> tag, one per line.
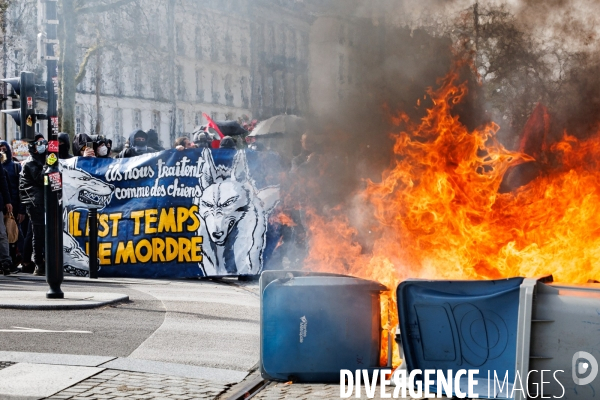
<point x="79" y="142"/>
<point x="4" y="191"/>
<point x="31" y="182"/>
<point x="131" y="150"/>
<point x="13" y="170"/>
<point x="63" y="146"/>
<point x="153" y="140"/>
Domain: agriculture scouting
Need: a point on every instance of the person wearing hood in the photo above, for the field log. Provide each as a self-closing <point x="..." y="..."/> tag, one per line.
<point x="203" y="140"/>
<point x="13" y="170"/>
<point x="153" y="140"/>
<point x="81" y="146"/>
<point x="64" y="144"/>
<point x="31" y="188"/>
<point x="227" y="143"/>
<point x="138" y="145"/>
<point x="101" y="146"/>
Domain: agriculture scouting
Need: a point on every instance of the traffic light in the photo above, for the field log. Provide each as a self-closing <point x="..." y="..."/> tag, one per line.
<point x="24" y="116"/>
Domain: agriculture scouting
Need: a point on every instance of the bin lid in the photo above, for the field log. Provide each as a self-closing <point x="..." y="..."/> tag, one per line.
<point x="454" y="325"/>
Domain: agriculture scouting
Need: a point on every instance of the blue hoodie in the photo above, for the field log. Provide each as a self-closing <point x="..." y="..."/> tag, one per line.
<point x="13" y="169"/>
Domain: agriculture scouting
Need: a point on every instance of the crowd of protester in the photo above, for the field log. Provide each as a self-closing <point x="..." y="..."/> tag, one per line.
<point x="21" y="183"/>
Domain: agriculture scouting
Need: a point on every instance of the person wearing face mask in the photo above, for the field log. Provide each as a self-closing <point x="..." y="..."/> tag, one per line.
<point x="64" y="144"/>
<point x="101" y="146"/>
<point x="80" y="146"/>
<point x="31" y="188"/>
<point x="13" y="170"/>
<point x="153" y="140"/>
<point x="138" y="145"/>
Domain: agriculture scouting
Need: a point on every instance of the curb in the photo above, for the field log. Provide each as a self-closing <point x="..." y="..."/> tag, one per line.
<point x="57" y="306"/>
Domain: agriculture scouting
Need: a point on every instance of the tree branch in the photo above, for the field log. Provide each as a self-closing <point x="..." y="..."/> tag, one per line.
<point x="102" y="7"/>
<point x="82" y="68"/>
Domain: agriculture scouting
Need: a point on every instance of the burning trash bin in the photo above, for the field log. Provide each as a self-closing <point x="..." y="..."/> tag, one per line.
<point x="525" y="337"/>
<point x="313" y="325"/>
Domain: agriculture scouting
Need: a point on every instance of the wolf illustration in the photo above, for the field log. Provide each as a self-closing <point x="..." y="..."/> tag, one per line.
<point x="80" y="190"/>
<point x="234" y="217"/>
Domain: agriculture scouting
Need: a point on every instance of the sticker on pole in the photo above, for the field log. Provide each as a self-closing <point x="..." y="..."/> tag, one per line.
<point x="29" y="103"/>
<point x="53" y="146"/>
<point x="55" y="181"/>
<point x="29" y="121"/>
<point x="52" y="159"/>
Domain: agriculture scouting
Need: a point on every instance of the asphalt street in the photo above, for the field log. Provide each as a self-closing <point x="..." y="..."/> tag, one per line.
<point x="115" y="330"/>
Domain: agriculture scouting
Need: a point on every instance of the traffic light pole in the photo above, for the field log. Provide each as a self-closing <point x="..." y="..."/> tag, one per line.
<point x="52" y="176"/>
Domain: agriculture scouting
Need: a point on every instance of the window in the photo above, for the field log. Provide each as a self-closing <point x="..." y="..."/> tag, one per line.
<point x="118" y="122"/>
<point x="179" y="39"/>
<point x="156" y="82"/>
<point x="214" y="115"/>
<point x="137" y="82"/>
<point x="198" y="43"/>
<point x="156" y="121"/>
<point x="214" y="50"/>
<point x="198" y="119"/>
<point x="228" y="48"/>
<point x="180" y="83"/>
<point x="228" y="115"/>
<point x="228" y="90"/>
<point x="155" y="31"/>
<point x="244" y="89"/>
<point x="199" y="85"/>
<point x="118" y="78"/>
<point x="244" y="52"/>
<point x="137" y="119"/>
<point x="179" y="122"/>
<point x="214" y="86"/>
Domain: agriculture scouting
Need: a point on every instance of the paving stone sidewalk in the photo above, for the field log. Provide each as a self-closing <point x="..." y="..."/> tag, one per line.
<point x="4" y="364"/>
<point x="113" y="384"/>
<point x="308" y="391"/>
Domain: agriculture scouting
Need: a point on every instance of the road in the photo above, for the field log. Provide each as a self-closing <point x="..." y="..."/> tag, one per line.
<point x="193" y="322"/>
<point x="115" y="330"/>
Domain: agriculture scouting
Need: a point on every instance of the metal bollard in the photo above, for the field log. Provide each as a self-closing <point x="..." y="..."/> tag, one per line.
<point x="93" y="226"/>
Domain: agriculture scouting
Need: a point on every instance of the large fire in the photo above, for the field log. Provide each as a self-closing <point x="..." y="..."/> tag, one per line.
<point x="438" y="212"/>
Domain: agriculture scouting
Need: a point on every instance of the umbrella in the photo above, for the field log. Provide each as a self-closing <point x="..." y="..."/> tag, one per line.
<point x="280" y="124"/>
<point x="231" y="128"/>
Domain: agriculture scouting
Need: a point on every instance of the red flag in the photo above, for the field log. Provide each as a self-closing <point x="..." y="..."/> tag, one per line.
<point x="212" y="128"/>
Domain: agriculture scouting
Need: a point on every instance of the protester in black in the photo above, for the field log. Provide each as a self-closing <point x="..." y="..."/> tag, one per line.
<point x="153" y="140"/>
<point x="202" y="140"/>
<point x="13" y="170"/>
<point x="31" y="186"/>
<point x="64" y="146"/>
<point x="138" y="145"/>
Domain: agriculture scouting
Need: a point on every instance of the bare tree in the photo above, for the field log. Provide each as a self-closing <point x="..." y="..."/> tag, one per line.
<point x="119" y="25"/>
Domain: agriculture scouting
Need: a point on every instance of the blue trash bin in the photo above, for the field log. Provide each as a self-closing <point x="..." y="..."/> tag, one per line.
<point x="520" y="328"/>
<point x="454" y="325"/>
<point x="313" y="325"/>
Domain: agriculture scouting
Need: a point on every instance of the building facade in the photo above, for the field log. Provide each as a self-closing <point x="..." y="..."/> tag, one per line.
<point x="165" y="63"/>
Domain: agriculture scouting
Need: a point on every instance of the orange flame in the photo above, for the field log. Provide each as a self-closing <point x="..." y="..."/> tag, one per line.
<point x="438" y="213"/>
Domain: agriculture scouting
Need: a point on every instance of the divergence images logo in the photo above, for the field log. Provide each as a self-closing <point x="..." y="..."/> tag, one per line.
<point x="584" y="362"/>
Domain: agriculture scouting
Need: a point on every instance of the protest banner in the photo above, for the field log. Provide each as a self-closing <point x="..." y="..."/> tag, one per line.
<point x="172" y="214"/>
